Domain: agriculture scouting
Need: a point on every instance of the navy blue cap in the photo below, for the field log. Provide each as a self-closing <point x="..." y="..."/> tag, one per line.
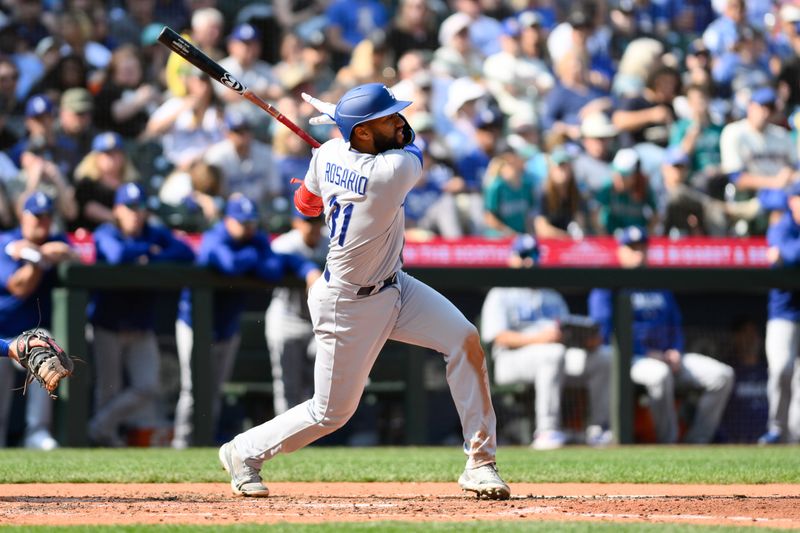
<point x="245" y="32"/>
<point x="38" y="203"/>
<point x="487" y="118"/>
<point x="38" y="105"/>
<point x="675" y="156"/>
<point x="241" y="208"/>
<point x="631" y="235"/>
<point x="764" y="96"/>
<point x="236" y="120"/>
<point x="107" y="141"/>
<point x="130" y="194"/>
<point x="526" y="245"/>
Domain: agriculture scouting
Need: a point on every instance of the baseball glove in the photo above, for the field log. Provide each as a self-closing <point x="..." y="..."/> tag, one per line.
<point x="43" y="358"/>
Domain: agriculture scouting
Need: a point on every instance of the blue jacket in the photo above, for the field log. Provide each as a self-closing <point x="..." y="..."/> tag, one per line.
<point x="220" y="252"/>
<point x="656" y="319"/>
<point x="17" y="315"/>
<point x="132" y="310"/>
<point x="785" y="235"/>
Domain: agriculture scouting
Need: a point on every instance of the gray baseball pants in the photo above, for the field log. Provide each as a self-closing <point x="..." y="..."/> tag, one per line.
<point x="783" y="381"/>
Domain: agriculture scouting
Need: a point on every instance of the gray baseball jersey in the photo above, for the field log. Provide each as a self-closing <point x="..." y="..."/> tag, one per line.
<point x="363" y="300"/>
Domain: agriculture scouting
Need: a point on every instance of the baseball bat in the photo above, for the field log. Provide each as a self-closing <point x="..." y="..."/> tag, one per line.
<point x="196" y="57"/>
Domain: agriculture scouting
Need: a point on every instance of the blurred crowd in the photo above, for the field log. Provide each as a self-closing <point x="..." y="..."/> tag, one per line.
<point x="554" y="118"/>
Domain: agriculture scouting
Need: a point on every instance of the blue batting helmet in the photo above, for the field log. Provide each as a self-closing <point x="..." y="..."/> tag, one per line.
<point x="363" y="103"/>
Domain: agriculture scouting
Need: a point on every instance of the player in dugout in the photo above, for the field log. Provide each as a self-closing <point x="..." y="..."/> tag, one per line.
<point x="233" y="247"/>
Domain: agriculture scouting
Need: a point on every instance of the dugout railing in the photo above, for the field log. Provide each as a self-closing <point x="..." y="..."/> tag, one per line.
<point x="76" y="281"/>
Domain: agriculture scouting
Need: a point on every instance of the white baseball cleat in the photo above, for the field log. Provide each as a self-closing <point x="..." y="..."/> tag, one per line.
<point x="245" y="480"/>
<point x="485" y="482"/>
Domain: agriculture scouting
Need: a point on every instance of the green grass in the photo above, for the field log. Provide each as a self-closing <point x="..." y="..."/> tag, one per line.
<point x="636" y="464"/>
<point x="405" y="527"/>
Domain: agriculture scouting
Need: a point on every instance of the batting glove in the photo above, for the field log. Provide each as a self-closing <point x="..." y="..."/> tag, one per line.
<point x="328" y="110"/>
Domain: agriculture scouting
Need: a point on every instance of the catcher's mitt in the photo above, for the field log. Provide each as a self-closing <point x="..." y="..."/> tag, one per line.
<point x="43" y="358"/>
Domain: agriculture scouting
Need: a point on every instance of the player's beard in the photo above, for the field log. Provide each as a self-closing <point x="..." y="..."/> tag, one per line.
<point x="383" y="144"/>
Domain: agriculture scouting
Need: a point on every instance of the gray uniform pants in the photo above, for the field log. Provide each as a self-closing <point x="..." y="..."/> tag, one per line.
<point x="38" y="405"/>
<point x="783" y="382"/>
<point x="289" y="347"/>
<point x="116" y="354"/>
<point x="548" y="366"/>
<point x="223" y="355"/>
<point x="714" y="378"/>
<point x="351" y="331"/>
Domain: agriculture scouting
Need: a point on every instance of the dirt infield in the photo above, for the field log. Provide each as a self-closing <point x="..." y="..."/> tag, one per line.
<point x="776" y="506"/>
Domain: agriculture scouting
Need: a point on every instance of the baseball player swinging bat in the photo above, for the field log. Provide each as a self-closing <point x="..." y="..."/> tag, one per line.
<point x="196" y="57"/>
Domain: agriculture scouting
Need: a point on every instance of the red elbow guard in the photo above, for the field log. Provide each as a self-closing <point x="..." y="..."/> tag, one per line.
<point x="307" y="202"/>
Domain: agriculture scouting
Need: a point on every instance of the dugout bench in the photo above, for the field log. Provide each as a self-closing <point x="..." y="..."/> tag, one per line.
<point x="76" y="281"/>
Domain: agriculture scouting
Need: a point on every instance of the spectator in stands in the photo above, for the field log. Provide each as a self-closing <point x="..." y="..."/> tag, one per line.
<point x="70" y="71"/>
<point x="659" y="363"/>
<point x="572" y="98"/>
<point x="78" y="33"/>
<point x="687" y="210"/>
<point x="592" y="166"/>
<point x="370" y="62"/>
<point x="484" y="27"/>
<point x="580" y="34"/>
<point x="783" y="384"/>
<point x="194" y="197"/>
<point x="508" y="199"/>
<point x="125" y="349"/>
<point x="627" y="199"/>
<point x="742" y="70"/>
<point x="698" y="136"/>
<point x="471" y="168"/>
<point x="233" y="247"/>
<point x="456" y="57"/>
<point x="302" y="17"/>
<point x="464" y="99"/>
<point x="206" y="31"/>
<point x="188" y="125"/>
<point x="533" y="47"/>
<point x="28" y="255"/>
<point x="560" y="209"/>
<point x="42" y="136"/>
<point x="287" y="322"/>
<point x="12" y="108"/>
<point x="126" y="22"/>
<point x="720" y="36"/>
<point x="788" y="77"/>
<point x="75" y="123"/>
<point x="427" y="209"/>
<point x="248" y="165"/>
<point x="413" y="27"/>
<point x="514" y="81"/>
<point x="126" y="99"/>
<point x="647" y="118"/>
<point x="38" y="173"/>
<point x="245" y="64"/>
<point x="759" y="158"/>
<point x="530" y="346"/>
<point x="350" y="22"/>
<point x="98" y="177"/>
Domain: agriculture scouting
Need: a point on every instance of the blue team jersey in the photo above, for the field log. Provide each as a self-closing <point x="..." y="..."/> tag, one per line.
<point x="656" y="319"/>
<point x="132" y="310"/>
<point x="255" y="257"/>
<point x="785" y="235"/>
<point x="17" y="315"/>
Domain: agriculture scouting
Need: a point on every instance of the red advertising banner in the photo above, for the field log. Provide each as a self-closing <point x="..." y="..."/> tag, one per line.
<point x="694" y="252"/>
